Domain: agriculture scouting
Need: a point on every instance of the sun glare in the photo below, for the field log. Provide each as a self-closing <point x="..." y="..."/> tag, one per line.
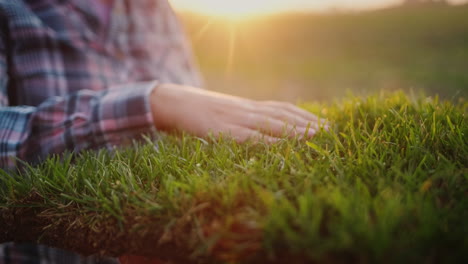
<point x="232" y="9"/>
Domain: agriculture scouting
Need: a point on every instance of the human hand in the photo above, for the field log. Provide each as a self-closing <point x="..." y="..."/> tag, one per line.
<point x="200" y="112"/>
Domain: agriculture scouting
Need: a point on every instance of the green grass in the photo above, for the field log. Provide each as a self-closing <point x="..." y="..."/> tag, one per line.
<point x="388" y="184"/>
<point x="313" y="56"/>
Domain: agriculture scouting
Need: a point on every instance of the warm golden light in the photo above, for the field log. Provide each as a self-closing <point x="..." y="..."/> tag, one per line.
<point x="236" y="9"/>
<point x="248" y="8"/>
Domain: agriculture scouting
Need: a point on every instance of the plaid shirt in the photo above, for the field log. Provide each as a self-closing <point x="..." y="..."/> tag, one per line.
<point x="70" y="80"/>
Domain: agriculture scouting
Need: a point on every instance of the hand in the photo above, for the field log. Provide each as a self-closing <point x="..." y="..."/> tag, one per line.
<point x="200" y="112"/>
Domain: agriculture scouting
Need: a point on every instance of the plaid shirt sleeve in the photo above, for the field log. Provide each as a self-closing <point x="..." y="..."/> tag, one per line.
<point x="83" y="120"/>
<point x="77" y="83"/>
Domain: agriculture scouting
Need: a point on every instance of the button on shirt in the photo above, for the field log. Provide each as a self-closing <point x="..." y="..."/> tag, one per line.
<point x="72" y="79"/>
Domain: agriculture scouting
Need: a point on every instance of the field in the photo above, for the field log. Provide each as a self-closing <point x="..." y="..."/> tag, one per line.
<point x="320" y="57"/>
<point x="387" y="184"/>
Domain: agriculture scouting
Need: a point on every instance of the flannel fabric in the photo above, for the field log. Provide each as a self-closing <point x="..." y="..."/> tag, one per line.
<point x="72" y="80"/>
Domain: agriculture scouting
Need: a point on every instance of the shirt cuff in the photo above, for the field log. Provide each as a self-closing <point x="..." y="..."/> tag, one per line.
<point x="123" y="114"/>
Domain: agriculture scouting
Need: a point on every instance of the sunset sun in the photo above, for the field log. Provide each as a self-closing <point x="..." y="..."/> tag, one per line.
<point x="237" y="9"/>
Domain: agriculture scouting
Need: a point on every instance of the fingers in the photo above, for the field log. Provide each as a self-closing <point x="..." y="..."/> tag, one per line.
<point x="243" y="134"/>
<point x="277" y="128"/>
<point x="297" y="114"/>
<point x="293" y="109"/>
<point x="279" y="119"/>
<point x="287" y="115"/>
<point x="282" y="115"/>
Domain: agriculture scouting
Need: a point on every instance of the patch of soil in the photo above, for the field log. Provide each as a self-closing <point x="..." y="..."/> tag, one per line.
<point x="105" y="236"/>
<point x="205" y="233"/>
<point x="229" y="238"/>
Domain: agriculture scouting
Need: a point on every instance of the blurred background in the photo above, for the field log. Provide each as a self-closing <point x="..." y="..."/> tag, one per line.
<point x="315" y="50"/>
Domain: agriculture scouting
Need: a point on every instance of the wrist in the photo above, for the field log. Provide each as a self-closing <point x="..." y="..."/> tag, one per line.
<point x="162" y="100"/>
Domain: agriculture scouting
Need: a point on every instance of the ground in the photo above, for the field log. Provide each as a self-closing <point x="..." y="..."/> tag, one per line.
<point x="387" y="184"/>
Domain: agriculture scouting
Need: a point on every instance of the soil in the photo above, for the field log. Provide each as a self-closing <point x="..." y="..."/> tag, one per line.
<point x="139" y="235"/>
<point x="105" y="237"/>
